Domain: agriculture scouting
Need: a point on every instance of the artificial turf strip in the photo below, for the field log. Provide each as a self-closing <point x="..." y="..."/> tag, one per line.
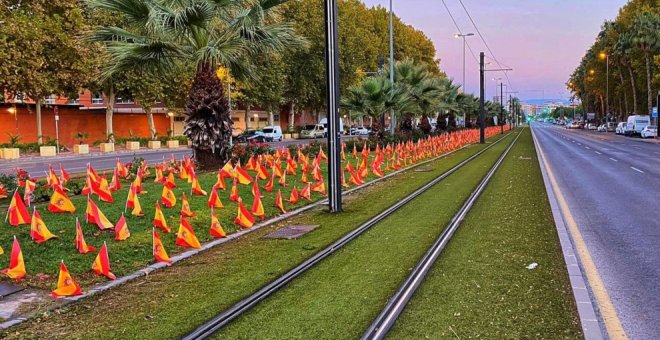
<point x="341" y="295"/>
<point x="480" y="286"/>
<point x="171" y="302"/>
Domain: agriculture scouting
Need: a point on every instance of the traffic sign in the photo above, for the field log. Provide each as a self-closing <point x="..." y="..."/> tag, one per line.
<point x="655" y="112"/>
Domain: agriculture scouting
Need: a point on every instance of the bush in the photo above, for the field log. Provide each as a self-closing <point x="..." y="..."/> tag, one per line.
<point x="243" y="153"/>
<point x="8" y="182"/>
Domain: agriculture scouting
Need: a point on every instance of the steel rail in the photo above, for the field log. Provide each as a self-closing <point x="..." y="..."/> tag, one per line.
<point x="396" y="304"/>
<point x="219" y="321"/>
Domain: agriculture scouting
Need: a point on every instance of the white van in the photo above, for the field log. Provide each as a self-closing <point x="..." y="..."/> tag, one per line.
<point x="272" y="133"/>
<point x="324" y="122"/>
<point x="636" y="124"/>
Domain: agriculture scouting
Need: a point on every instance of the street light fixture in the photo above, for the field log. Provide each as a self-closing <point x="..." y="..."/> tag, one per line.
<point x="606" y="57"/>
<point x="460" y="35"/>
<point x="12" y="110"/>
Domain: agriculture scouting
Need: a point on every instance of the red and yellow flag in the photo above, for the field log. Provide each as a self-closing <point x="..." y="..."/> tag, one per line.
<point x="185" y="237"/>
<point x="64" y="176"/>
<point x="60" y="202"/>
<point x="262" y="173"/>
<point x="242" y="175"/>
<point x="38" y="230"/>
<point x="115" y="183"/>
<point x="101" y="265"/>
<point x="282" y="180"/>
<point x="167" y="197"/>
<point x="185" y="207"/>
<point x="214" y="199"/>
<point x="196" y="187"/>
<point x="104" y="191"/>
<point x="227" y="170"/>
<point x="293" y="198"/>
<point x="160" y="255"/>
<point x="319" y="187"/>
<point x="279" y="202"/>
<point x="169" y="182"/>
<point x="233" y="194"/>
<point x="269" y="186"/>
<point x="51" y="178"/>
<point x="17" y="212"/>
<point x="66" y="285"/>
<point x="258" y="207"/>
<point x="244" y="218"/>
<point x="159" y="175"/>
<point x="255" y="188"/>
<point x="121" y="229"/>
<point x="159" y="219"/>
<point x="122" y="170"/>
<point x="306" y="192"/>
<point x="29" y="189"/>
<point x="16" y="268"/>
<point x="216" y="229"/>
<point x="95" y="215"/>
<point x="81" y="245"/>
<point x="220" y="183"/>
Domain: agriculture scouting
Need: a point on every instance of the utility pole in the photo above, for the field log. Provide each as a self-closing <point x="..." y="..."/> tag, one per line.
<point x="501" y="108"/>
<point x="332" y="82"/>
<point x="392" y="118"/>
<point x="482" y="111"/>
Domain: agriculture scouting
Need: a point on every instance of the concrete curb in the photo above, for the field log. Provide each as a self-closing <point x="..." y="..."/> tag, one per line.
<point x="91" y="155"/>
<point x="586" y="310"/>
<point x="185" y="255"/>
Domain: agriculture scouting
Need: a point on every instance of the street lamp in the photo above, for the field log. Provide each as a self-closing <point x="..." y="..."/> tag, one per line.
<point x="606" y="57"/>
<point x="12" y="110"/>
<point x="392" y="120"/>
<point x="460" y="35"/>
<point x="171" y="115"/>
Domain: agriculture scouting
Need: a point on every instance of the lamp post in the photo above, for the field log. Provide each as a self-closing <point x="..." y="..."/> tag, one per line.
<point x="12" y="110"/>
<point x="459" y="35"/>
<point x="606" y="57"/>
<point x="392" y="119"/>
<point x="171" y="115"/>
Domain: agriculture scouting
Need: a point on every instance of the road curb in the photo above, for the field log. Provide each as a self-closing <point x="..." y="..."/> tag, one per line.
<point x="585" y="306"/>
<point x="209" y="245"/>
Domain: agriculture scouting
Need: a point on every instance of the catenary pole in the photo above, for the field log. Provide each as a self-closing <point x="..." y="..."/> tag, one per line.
<point x="332" y="82"/>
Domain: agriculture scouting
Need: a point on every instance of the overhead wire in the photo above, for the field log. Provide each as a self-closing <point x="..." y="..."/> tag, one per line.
<point x="460" y="32"/>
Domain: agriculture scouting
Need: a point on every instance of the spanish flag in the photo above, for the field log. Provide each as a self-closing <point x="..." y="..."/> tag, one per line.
<point x="291" y="166"/>
<point x="269" y="186"/>
<point x="159" y="175"/>
<point x="167" y="197"/>
<point x="244" y="218"/>
<point x="282" y="180"/>
<point x="52" y="179"/>
<point x="185" y="237"/>
<point x="64" y="176"/>
<point x="316" y="173"/>
<point x="81" y="245"/>
<point x="60" y="202"/>
<point x="304" y="177"/>
<point x="277" y="169"/>
<point x="133" y="201"/>
<point x="196" y="187"/>
<point x="159" y="219"/>
<point x="101" y="265"/>
<point x="185" y="207"/>
<point x="233" y="195"/>
<point x="251" y="164"/>
<point x="87" y="188"/>
<point x="319" y="187"/>
<point x="38" y="230"/>
<point x="255" y="188"/>
<point x="293" y="199"/>
<point x="279" y="202"/>
<point x="160" y="255"/>
<point x="262" y="173"/>
<point x="169" y="182"/>
<point x="29" y="189"/>
<point x="216" y="229"/>
<point x="104" y="191"/>
<point x="183" y="172"/>
<point x="66" y="285"/>
<point x="322" y="154"/>
<point x="17" y="212"/>
<point x="343" y="181"/>
<point x="242" y="175"/>
<point x="115" y="183"/>
<point x="121" y="169"/>
<point x="121" y="229"/>
<point x="258" y="207"/>
<point x="306" y="192"/>
<point x="95" y="215"/>
<point x="214" y="199"/>
<point x="220" y="183"/>
<point x="16" y="268"/>
<point x="227" y="170"/>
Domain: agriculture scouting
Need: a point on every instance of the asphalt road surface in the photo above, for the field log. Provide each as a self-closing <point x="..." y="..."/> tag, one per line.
<point x="612" y="186"/>
<point x="36" y="166"/>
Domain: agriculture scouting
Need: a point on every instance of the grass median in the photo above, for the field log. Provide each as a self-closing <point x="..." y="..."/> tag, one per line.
<point x="341" y="295"/>
<point x="480" y="286"/>
<point x="173" y="301"/>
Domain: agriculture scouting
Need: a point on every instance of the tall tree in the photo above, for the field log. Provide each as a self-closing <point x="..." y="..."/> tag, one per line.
<point x="646" y="35"/>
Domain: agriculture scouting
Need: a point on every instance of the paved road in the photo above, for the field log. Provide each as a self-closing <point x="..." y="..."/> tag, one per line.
<point x="76" y="164"/>
<point x="612" y="185"/>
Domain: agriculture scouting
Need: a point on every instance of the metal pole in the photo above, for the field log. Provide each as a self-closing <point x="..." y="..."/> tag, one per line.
<point x="332" y="80"/>
<point x="464" y="113"/>
<point x="57" y="130"/>
<point x="231" y="135"/>
<point x="482" y="111"/>
<point x="607" y="86"/>
<point x="392" y="118"/>
<point x="501" y="107"/>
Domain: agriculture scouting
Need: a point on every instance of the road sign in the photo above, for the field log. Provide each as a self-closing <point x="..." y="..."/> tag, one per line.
<point x="655" y="112"/>
<point x="591" y="115"/>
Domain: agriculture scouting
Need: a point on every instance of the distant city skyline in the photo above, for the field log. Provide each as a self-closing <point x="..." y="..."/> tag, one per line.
<point x="543" y="41"/>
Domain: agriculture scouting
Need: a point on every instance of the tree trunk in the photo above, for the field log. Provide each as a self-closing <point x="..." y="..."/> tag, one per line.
<point x="625" y="93"/>
<point x="424" y="125"/>
<point x="292" y="116"/>
<point x="150" y="119"/>
<point x="209" y="123"/>
<point x="649" y="95"/>
<point x="247" y="117"/>
<point x="108" y="114"/>
<point x="634" y="89"/>
<point x="271" y="119"/>
<point x="39" y="131"/>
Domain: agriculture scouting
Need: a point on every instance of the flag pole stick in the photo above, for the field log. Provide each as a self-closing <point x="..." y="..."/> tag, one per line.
<point x="7" y="215"/>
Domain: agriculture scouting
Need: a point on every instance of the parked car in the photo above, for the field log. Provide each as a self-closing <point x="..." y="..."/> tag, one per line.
<point x="649" y="131"/>
<point x="602" y="128"/>
<point x="250" y="136"/>
<point x="611" y="126"/>
<point x="273" y="133"/>
<point x="573" y="125"/>
<point x="324" y="122"/>
<point x="360" y="131"/>
<point x="636" y="123"/>
<point x="592" y="126"/>
<point x="621" y="128"/>
<point x="312" y="131"/>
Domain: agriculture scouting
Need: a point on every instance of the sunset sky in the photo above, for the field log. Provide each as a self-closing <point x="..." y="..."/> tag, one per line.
<point x="541" y="40"/>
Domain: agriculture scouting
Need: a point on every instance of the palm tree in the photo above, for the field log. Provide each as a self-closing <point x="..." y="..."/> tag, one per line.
<point x="373" y="97"/>
<point x="208" y="33"/>
<point x="645" y="35"/>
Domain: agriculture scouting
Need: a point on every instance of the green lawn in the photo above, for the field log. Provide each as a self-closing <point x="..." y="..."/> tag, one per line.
<point x="480" y="287"/>
<point x="170" y="302"/>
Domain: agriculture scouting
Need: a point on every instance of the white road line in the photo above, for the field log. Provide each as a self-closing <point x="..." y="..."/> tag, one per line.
<point x="634" y="168"/>
<point x="657" y="153"/>
<point x="613" y="159"/>
<point x="598" y="152"/>
<point x="588" y="148"/>
<point x="579" y="143"/>
<point x="573" y="141"/>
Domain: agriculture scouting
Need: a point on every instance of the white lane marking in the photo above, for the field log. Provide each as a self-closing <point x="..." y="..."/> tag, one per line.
<point x="657" y="153"/>
<point x="613" y="159"/>
<point x="588" y="148"/>
<point x="634" y="168"/>
<point x="598" y="152"/>
<point x="573" y="141"/>
<point x="579" y="143"/>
